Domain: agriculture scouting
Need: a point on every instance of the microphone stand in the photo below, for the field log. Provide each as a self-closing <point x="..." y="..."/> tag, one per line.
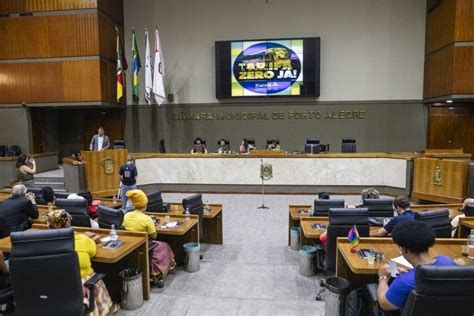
<point x="262" y="207"/>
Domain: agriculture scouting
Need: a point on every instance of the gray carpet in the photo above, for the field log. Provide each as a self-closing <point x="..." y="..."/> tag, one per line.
<point x="253" y="273"/>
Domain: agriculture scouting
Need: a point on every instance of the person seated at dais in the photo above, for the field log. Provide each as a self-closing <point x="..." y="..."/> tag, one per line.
<point x="199" y="147"/>
<point x="414" y="239"/>
<point x="402" y="207"/>
<point x="223" y="147"/>
<point x="274" y="146"/>
<point x="137" y="221"/>
<point x="455" y="221"/>
<point x="86" y="249"/>
<point x="245" y="147"/>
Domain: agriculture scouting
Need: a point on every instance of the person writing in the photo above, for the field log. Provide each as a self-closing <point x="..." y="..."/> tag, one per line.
<point x="414" y="239"/>
<point x="86" y="249"/>
<point x="199" y="147"/>
<point x="128" y="176"/>
<point x="223" y="147"/>
<point x="402" y="207"/>
<point x="274" y="146"/>
<point x="100" y="141"/>
<point x="136" y="220"/>
<point x="26" y="168"/>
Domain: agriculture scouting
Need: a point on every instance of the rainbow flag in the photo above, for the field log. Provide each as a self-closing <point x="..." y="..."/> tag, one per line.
<point x="136" y="65"/>
<point x="121" y="66"/>
<point x="353" y="236"/>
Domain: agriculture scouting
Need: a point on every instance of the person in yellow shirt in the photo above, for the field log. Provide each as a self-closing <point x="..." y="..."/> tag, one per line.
<point x="137" y="221"/>
<point x="86" y="249"/>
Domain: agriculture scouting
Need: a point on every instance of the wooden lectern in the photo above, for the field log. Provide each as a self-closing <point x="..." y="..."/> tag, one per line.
<point x="440" y="180"/>
<point x="102" y="170"/>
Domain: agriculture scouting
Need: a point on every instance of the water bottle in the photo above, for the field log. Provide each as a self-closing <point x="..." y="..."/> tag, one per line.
<point x="113" y="233"/>
<point x="470" y="245"/>
<point x="114" y="199"/>
<point x="187" y="213"/>
<point x="207" y="207"/>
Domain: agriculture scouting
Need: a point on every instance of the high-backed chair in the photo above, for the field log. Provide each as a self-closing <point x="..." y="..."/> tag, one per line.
<point x="348" y="145"/>
<point x="110" y="216"/>
<point x="469" y="210"/>
<point x="271" y="140"/>
<point x="194" y="203"/>
<point x="162" y="147"/>
<point x="77" y="208"/>
<point x="155" y="202"/>
<point x="15" y="149"/>
<point x="3" y="150"/>
<point x="119" y="144"/>
<point x="382" y="207"/>
<point x="227" y="142"/>
<point x="251" y="141"/>
<point x="39" y="195"/>
<point x="45" y="274"/>
<point x="314" y="141"/>
<point x="203" y="141"/>
<point x="61" y="194"/>
<point x="438" y="220"/>
<point x="321" y="207"/>
<point x="340" y="223"/>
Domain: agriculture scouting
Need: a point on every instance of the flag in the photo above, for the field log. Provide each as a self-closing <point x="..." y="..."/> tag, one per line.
<point x="148" y="70"/>
<point x="353" y="236"/>
<point x="158" y="72"/>
<point x="136" y="68"/>
<point x="121" y="66"/>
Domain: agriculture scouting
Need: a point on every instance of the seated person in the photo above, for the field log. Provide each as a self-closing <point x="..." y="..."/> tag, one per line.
<point x="199" y="147"/>
<point x="137" y="221"/>
<point x="414" y="239"/>
<point x="402" y="207"/>
<point x="274" y="146"/>
<point x="26" y="168"/>
<point x="455" y="221"/>
<point x="223" y="147"/>
<point x="369" y="193"/>
<point x="17" y="209"/>
<point x="323" y="238"/>
<point x="324" y="196"/>
<point x="48" y="195"/>
<point x="86" y="249"/>
<point x="245" y="147"/>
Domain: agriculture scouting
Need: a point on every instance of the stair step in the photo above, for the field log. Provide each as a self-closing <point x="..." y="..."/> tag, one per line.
<point x="53" y="185"/>
<point x="49" y="179"/>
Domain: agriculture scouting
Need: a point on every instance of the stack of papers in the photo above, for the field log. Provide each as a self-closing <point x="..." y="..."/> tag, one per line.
<point x="403" y="262"/>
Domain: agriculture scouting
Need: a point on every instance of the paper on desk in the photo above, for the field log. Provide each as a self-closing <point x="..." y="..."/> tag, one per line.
<point x="402" y="261"/>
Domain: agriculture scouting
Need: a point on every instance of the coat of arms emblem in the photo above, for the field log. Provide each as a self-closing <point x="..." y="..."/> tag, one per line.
<point x="437" y="176"/>
<point x="108" y="164"/>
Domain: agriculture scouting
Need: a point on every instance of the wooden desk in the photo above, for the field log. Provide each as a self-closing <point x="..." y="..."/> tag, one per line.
<point x="359" y="273"/>
<point x="132" y="254"/>
<point x="454" y="209"/>
<point x="309" y="235"/>
<point x="465" y="226"/>
<point x="176" y="237"/>
<point x="211" y="222"/>
<point x="294" y="217"/>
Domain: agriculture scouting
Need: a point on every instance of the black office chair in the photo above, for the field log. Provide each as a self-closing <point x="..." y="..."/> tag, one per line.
<point x="321" y="207"/>
<point x="39" y="195"/>
<point x="194" y="203"/>
<point x="203" y="141"/>
<point x="440" y="290"/>
<point x="348" y="145"/>
<point x="162" y="147"/>
<point x="9" y="153"/>
<point x="109" y="216"/>
<point x="226" y="141"/>
<point x="271" y="140"/>
<point x="340" y="223"/>
<point x="61" y="194"/>
<point x="155" y="202"/>
<point x="312" y="148"/>
<point x="77" y="208"/>
<point x="469" y="210"/>
<point x="382" y="207"/>
<point x="251" y="141"/>
<point x="15" y="149"/>
<point x="438" y="220"/>
<point x="3" y="150"/>
<point x="119" y="144"/>
<point x="45" y="274"/>
<point x="314" y="141"/>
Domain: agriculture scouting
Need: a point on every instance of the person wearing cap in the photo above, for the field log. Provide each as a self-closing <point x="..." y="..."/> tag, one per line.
<point x="86" y="249"/>
<point x="137" y="221"/>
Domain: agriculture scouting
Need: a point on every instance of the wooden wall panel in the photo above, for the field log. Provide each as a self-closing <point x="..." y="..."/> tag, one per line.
<point x="62" y="81"/>
<point x="49" y="36"/>
<point x="464" y="31"/>
<point x="440" y="25"/>
<point x="112" y="8"/>
<point x="15" y="6"/>
<point x="463" y="70"/>
<point x="108" y="81"/>
<point x="107" y="37"/>
<point x="438" y="73"/>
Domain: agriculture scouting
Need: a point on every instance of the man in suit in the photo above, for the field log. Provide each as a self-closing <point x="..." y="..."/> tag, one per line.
<point x="100" y="141"/>
<point x="17" y="209"/>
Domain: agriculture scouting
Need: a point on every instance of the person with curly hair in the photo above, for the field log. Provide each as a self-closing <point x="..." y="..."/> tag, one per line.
<point x="414" y="238"/>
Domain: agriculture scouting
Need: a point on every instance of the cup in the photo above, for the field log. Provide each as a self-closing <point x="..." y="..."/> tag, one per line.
<point x="379" y="256"/>
<point x="371" y="258"/>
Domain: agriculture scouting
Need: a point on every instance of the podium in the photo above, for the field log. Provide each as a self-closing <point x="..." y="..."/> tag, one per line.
<point x="440" y="180"/>
<point x="101" y="170"/>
